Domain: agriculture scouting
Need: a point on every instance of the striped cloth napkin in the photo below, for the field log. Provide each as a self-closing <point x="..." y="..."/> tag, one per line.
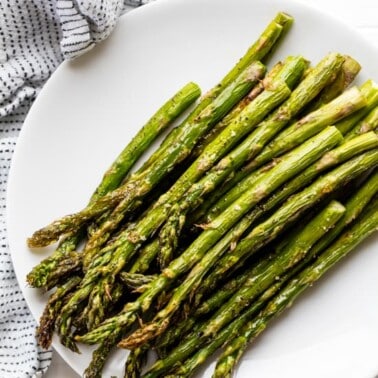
<point x="35" y="37"/>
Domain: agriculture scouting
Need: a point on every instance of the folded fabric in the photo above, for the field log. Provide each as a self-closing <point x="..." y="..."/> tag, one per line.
<point x="35" y="37"/>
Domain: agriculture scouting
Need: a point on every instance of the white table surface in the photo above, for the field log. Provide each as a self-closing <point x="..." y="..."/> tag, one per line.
<point x="361" y="14"/>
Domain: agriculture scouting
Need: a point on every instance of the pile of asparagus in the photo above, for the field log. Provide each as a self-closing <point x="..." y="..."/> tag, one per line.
<point x="268" y="182"/>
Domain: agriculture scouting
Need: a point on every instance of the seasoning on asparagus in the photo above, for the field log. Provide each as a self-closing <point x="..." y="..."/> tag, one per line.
<point x="259" y="280"/>
<point x="347" y="103"/>
<point x="316" y="191"/>
<point x="365" y="225"/>
<point x="290" y="165"/>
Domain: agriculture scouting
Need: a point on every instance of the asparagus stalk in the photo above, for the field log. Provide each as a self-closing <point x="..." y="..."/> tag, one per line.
<point x="251" y="146"/>
<point x="257" y="51"/>
<point x="291" y="165"/>
<point x="249" y="117"/>
<point x="353" y="206"/>
<point x="291" y="71"/>
<point x="135" y="361"/>
<point x="220" y="126"/>
<point x="349" y="70"/>
<point x="99" y="357"/>
<point x="242" y="251"/>
<point x="301" y="130"/>
<point x="221" y="295"/>
<point x="101" y="301"/>
<point x="141" y="182"/>
<point x="207" y="239"/>
<point x="230" y="332"/>
<point x="347" y="103"/>
<point x="260" y="279"/>
<point x="342" y="153"/>
<point x="225" y="334"/>
<point x="370" y="122"/>
<point x="119" y="169"/>
<point x="47" y="321"/>
<point x="147" y="254"/>
<point x="159" y="122"/>
<point x="168" y="339"/>
<point x="264" y="44"/>
<point x="269" y="39"/>
<point x="370" y="91"/>
<point x="365" y="225"/>
<point x="131" y="240"/>
<point x="52" y="269"/>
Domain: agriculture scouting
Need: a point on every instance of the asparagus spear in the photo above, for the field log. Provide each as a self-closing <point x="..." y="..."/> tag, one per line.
<point x="259" y="280"/>
<point x="220" y="126"/>
<point x="131" y="240"/>
<point x="248" y="118"/>
<point x="256" y="52"/>
<point x="370" y="91"/>
<point x="159" y="122"/>
<point x="99" y="357"/>
<point x="135" y="361"/>
<point x="345" y="151"/>
<point x="264" y="44"/>
<point x="47" y="321"/>
<point x="119" y="169"/>
<point x="146" y="256"/>
<point x="356" y="203"/>
<point x="366" y="224"/>
<point x="348" y="102"/>
<point x="340" y="107"/>
<point x="349" y="70"/>
<point x="290" y="165"/>
<point x="188" y="366"/>
<point x="370" y="122"/>
<point x="142" y="181"/>
<point x="248" y="149"/>
<point x="209" y="237"/>
<point x="354" y="207"/>
<point x="367" y="90"/>
<point x="291" y="72"/>
<point x="101" y="301"/>
<point x="47" y="273"/>
<point x="238" y="255"/>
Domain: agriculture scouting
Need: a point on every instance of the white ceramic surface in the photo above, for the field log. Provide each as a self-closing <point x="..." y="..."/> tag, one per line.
<point x="90" y="108"/>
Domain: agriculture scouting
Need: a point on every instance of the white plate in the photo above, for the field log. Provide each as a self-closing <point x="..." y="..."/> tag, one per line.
<point x="91" y="107"/>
